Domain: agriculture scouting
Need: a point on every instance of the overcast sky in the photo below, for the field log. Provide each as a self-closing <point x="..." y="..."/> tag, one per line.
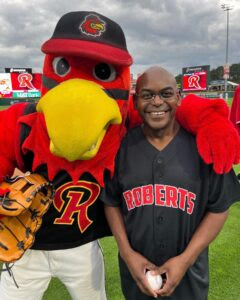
<point x="171" y="33"/>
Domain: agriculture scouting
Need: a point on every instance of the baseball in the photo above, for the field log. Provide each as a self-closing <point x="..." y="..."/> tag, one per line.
<point x="155" y="281"/>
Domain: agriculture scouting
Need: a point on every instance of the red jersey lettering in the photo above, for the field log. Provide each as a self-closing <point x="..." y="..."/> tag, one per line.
<point x="171" y="196"/>
<point x="191" y="198"/>
<point x="136" y="192"/>
<point x="182" y="198"/>
<point x="129" y="200"/>
<point x="147" y="192"/>
<point x="159" y="194"/>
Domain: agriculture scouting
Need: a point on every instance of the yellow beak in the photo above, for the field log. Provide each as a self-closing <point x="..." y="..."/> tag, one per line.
<point x="77" y="114"/>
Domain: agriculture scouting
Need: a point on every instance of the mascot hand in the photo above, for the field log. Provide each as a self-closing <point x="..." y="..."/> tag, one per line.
<point x="219" y="143"/>
<point x="217" y="140"/>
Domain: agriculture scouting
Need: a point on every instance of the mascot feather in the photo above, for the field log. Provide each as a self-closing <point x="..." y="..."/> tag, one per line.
<point x="72" y="135"/>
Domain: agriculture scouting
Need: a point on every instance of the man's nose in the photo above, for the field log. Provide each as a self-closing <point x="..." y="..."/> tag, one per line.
<point x="158" y="100"/>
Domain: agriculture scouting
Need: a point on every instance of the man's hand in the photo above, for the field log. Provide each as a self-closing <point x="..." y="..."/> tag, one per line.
<point x="174" y="269"/>
<point x="138" y="265"/>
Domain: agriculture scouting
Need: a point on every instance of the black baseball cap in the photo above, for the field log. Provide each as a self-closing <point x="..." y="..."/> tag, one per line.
<point x="89" y="34"/>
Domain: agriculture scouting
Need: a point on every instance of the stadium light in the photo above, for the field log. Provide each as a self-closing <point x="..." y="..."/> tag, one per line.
<point x="226" y="7"/>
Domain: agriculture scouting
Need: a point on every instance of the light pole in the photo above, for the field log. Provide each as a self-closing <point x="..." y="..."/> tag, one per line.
<point x="227" y="8"/>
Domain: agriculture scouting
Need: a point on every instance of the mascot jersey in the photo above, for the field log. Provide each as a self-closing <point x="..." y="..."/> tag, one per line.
<point x="72" y="135"/>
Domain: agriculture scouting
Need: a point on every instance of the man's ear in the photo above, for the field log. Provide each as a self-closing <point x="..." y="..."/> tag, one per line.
<point x="179" y="97"/>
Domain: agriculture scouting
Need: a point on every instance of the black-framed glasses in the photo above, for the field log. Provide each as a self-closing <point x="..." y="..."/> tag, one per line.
<point x="165" y="94"/>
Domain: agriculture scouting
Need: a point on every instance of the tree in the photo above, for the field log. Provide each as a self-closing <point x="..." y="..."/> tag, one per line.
<point x="179" y="79"/>
<point x="235" y="73"/>
<point x="216" y="74"/>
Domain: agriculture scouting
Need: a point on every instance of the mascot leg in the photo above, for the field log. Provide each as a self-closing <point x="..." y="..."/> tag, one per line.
<point x="83" y="271"/>
<point x="82" y="266"/>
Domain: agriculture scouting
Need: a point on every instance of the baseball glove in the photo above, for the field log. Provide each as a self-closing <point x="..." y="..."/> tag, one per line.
<point x="24" y="201"/>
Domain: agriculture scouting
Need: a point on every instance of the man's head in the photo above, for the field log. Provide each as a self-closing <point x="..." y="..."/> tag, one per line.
<point x="157" y="98"/>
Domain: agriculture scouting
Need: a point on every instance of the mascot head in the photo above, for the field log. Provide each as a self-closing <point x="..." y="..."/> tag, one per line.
<point x="85" y="91"/>
<point x="86" y="84"/>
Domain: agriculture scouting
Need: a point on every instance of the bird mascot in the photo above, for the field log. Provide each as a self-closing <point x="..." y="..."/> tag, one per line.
<point x="70" y="138"/>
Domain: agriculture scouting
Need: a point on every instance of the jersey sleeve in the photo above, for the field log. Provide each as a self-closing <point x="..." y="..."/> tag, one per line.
<point x="111" y="194"/>
<point x="224" y="191"/>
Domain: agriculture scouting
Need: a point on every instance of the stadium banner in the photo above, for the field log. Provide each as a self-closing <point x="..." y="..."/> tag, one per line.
<point x="26" y="94"/>
<point x="195" y="78"/>
<point x="5" y="85"/>
<point x="20" y="85"/>
<point x="26" y="81"/>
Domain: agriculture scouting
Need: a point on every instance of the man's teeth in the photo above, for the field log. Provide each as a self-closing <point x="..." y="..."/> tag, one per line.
<point x="158" y="113"/>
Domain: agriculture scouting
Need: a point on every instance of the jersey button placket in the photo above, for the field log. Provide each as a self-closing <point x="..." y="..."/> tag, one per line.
<point x="158" y="168"/>
<point x="158" y="174"/>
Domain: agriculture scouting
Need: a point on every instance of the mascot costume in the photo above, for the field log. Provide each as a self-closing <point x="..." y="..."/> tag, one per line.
<point x="70" y="138"/>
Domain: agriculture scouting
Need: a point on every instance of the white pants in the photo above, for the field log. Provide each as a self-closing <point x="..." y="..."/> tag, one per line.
<point x="80" y="269"/>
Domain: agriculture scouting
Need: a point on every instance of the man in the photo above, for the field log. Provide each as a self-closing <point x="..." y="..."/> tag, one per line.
<point x="164" y="204"/>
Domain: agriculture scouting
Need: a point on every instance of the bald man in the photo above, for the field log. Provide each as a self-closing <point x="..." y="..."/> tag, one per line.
<point x="164" y="204"/>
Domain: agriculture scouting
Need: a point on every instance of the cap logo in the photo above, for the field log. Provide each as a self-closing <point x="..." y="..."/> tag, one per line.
<point x="92" y="25"/>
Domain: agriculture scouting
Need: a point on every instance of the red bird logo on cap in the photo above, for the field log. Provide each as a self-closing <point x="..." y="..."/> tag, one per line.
<point x="92" y="25"/>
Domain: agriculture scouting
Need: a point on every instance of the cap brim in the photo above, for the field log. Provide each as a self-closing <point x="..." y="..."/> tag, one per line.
<point x="92" y="50"/>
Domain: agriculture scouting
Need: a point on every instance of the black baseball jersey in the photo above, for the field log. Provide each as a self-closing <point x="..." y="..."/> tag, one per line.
<point x="163" y="196"/>
<point x="76" y="216"/>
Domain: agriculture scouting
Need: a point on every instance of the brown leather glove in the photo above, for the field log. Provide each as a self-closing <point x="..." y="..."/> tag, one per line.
<point x="25" y="199"/>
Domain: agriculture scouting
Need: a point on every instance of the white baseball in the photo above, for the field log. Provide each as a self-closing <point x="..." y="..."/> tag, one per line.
<point x="155" y="281"/>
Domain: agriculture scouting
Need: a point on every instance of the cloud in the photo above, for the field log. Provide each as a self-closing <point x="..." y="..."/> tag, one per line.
<point x="171" y="33"/>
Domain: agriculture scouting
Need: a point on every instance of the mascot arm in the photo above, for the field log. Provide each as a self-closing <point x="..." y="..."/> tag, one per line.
<point x="217" y="140"/>
<point x="8" y="138"/>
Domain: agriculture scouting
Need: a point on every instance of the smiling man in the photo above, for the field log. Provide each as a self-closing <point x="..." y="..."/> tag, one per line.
<point x="164" y="204"/>
<point x="157" y="102"/>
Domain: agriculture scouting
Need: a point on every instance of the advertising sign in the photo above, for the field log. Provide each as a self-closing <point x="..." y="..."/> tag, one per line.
<point x="26" y="81"/>
<point x="195" y="78"/>
<point x="20" y="85"/>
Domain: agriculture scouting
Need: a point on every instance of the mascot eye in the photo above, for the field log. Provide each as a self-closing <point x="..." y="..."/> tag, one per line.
<point x="104" y="72"/>
<point x="60" y="66"/>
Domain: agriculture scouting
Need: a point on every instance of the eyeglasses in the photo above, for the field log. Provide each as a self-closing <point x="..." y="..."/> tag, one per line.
<point x="165" y="94"/>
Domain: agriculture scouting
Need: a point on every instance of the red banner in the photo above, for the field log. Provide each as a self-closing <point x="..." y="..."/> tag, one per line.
<point x="26" y="81"/>
<point x="195" y="78"/>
